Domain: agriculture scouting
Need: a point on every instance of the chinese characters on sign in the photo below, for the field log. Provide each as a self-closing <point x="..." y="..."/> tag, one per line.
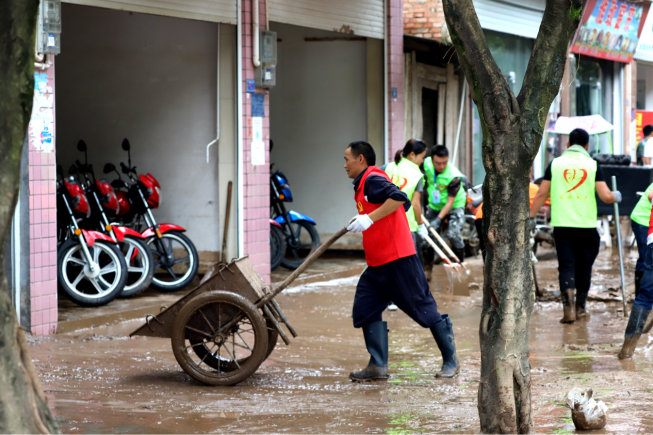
<point x="610" y="29"/>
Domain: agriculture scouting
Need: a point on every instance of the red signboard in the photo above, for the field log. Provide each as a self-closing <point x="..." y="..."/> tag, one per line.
<point x="642" y="119"/>
<point x="610" y="29"/>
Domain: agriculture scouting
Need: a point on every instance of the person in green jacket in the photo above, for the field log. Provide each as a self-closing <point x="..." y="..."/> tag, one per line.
<point x="446" y="197"/>
<point x="639" y="220"/>
<point x="572" y="181"/>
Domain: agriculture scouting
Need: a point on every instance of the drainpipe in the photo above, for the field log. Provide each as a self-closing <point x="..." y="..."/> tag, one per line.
<point x="386" y="141"/>
<point x="217" y="108"/>
<point x="239" y="130"/>
<point x="256" y="59"/>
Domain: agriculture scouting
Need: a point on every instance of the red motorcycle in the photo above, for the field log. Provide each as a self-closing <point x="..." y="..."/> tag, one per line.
<point x="91" y="270"/>
<point x="104" y="206"/>
<point x="175" y="257"/>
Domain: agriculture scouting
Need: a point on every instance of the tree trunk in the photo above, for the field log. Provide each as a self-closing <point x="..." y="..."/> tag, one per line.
<point x="512" y="131"/>
<point x="23" y="407"/>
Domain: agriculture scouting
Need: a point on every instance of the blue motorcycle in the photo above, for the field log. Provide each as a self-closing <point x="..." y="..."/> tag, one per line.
<point x="298" y="230"/>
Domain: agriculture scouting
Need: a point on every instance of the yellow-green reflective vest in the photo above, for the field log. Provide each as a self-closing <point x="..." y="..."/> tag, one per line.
<point x="441" y="182"/>
<point x="573" y="186"/>
<point x="406" y="176"/>
<point x="642" y="211"/>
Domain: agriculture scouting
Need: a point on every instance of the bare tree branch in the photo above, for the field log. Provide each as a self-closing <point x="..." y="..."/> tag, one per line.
<point x="546" y="67"/>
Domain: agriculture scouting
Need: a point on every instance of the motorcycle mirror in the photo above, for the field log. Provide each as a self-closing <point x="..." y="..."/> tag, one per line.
<point x="109" y="167"/>
<point x="81" y="146"/>
<point x="125" y="144"/>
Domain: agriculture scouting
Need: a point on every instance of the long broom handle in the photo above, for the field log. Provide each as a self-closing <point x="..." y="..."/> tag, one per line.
<point x="621" y="255"/>
<point x="226" y="223"/>
<point x="437" y="250"/>
<point x="440" y="241"/>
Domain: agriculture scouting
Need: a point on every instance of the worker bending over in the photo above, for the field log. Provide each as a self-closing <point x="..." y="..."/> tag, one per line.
<point x="393" y="272"/>
<point x="572" y="180"/>
<point x="446" y="197"/>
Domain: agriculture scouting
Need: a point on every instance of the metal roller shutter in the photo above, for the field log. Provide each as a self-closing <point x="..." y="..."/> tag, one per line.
<point x="521" y="19"/>
<point x="219" y="11"/>
<point x="358" y="17"/>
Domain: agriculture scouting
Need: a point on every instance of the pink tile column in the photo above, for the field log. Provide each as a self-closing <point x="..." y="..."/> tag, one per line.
<point x="256" y="193"/>
<point x="395" y="73"/>
<point x="42" y="207"/>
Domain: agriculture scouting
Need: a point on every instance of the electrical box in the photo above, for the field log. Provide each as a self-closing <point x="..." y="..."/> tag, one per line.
<point x="266" y="75"/>
<point x="48" y="35"/>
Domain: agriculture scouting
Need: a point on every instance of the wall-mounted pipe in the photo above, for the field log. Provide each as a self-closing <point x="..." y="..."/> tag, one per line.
<point x="256" y="58"/>
<point x="40" y="64"/>
<point x="460" y="123"/>
<point x="240" y="208"/>
<point x="386" y="96"/>
<point x="217" y="107"/>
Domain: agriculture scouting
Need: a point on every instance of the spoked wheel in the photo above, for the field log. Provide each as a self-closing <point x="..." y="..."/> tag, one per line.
<point x="84" y="286"/>
<point x="177" y="269"/>
<point x="277" y="246"/>
<point x="306" y="242"/>
<point x="140" y="266"/>
<point x="228" y="351"/>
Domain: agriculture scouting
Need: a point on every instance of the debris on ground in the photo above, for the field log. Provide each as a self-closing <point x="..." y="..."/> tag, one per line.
<point x="586" y="413"/>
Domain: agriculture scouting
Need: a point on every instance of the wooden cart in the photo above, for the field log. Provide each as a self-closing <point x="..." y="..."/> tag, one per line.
<point x="223" y="330"/>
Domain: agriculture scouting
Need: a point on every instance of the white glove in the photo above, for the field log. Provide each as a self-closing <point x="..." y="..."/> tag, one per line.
<point x="422" y="231"/>
<point x="617" y="196"/>
<point x="359" y="223"/>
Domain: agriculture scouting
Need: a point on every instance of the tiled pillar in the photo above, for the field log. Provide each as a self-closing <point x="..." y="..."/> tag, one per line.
<point x="256" y="193"/>
<point x="395" y="73"/>
<point x="42" y="206"/>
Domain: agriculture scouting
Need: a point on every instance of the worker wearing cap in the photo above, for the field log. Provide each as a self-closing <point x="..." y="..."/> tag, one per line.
<point x="394" y="271"/>
<point x="639" y="221"/>
<point x="446" y="197"/>
<point x="572" y="181"/>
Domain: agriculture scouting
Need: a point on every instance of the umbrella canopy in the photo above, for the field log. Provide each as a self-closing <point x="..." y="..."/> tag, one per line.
<point x="593" y="124"/>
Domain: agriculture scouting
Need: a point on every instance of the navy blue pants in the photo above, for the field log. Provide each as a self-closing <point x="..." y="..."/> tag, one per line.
<point x="641" y="233"/>
<point x="645" y="297"/>
<point x="401" y="281"/>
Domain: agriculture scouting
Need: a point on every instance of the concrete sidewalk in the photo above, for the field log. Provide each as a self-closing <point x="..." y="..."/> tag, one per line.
<point x="74" y="318"/>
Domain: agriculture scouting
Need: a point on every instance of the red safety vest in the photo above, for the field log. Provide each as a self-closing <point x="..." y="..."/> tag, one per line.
<point x="649" y="238"/>
<point x="388" y="239"/>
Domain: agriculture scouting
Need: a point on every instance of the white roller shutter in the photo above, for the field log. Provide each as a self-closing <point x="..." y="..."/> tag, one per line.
<point x="219" y="11"/>
<point x="521" y="18"/>
<point x="360" y="17"/>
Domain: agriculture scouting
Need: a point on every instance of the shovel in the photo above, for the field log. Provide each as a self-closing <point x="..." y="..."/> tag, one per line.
<point x="457" y="277"/>
<point x="445" y="246"/>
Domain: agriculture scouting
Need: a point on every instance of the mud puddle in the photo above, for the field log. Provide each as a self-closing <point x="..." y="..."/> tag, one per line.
<point x="100" y="381"/>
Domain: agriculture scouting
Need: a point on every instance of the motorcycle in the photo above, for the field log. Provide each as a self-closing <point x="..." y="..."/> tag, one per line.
<point x="298" y="230"/>
<point x="91" y="269"/>
<point x="470" y="234"/>
<point x="175" y="257"/>
<point x="104" y="204"/>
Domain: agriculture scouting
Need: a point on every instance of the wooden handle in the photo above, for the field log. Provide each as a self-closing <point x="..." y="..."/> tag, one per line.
<point x="437" y="250"/>
<point x="310" y="260"/>
<point x="440" y="241"/>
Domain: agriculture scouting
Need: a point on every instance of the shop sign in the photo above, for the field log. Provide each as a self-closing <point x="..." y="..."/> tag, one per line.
<point x="642" y="119"/>
<point x="610" y="29"/>
<point x="645" y="46"/>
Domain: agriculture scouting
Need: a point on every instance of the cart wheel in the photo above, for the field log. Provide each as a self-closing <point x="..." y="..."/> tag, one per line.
<point x="201" y="323"/>
<point x="226" y="365"/>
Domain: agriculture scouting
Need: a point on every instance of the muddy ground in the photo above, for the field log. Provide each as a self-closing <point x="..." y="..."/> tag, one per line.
<point x="99" y="380"/>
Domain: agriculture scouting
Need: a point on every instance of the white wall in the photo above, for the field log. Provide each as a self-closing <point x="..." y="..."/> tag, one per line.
<point x="317" y="108"/>
<point x="153" y="80"/>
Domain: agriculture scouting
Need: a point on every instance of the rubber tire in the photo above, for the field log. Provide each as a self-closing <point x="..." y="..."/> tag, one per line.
<point x="276" y="239"/>
<point x="315" y="243"/>
<point x="252" y="363"/>
<point x="84" y="302"/>
<point x="147" y="253"/>
<point x="273" y="336"/>
<point x="183" y="283"/>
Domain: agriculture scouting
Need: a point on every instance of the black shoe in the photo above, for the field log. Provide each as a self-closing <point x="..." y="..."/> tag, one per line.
<point x="376" y="341"/>
<point x="639" y="276"/>
<point x="636" y="322"/>
<point x="581" y="300"/>
<point x="443" y="334"/>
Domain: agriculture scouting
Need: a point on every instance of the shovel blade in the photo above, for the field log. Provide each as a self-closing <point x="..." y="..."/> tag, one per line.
<point x="457" y="280"/>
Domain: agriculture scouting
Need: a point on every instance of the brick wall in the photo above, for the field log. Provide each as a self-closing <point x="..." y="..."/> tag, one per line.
<point x="257" y="178"/>
<point x="423" y="18"/>
<point x="42" y="207"/>
<point x="396" y="77"/>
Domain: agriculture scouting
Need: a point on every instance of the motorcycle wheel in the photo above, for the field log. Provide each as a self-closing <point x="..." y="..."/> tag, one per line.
<point x="76" y="280"/>
<point x="277" y="246"/>
<point x="297" y="253"/>
<point x="140" y="265"/>
<point x="175" y="274"/>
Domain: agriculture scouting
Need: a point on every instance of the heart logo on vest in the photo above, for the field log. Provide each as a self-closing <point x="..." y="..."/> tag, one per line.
<point x="571" y="175"/>
<point x="398" y="181"/>
<point x="360" y="207"/>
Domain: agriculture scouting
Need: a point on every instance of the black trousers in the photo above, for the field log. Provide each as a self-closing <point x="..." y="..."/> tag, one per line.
<point x="577" y="249"/>
<point x="401" y="281"/>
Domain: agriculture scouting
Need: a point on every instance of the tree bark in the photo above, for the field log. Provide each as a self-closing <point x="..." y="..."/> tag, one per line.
<point x="23" y="407"/>
<point x="512" y="131"/>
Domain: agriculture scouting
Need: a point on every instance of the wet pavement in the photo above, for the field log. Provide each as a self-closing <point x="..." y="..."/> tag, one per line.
<point x="99" y="380"/>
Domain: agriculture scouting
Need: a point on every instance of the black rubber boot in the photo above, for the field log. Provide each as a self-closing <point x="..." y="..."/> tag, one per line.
<point x="569" y="315"/>
<point x="443" y="334"/>
<point x="634" y="330"/>
<point x="460" y="253"/>
<point x="376" y="341"/>
<point x="638" y="282"/>
<point x="581" y="300"/>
